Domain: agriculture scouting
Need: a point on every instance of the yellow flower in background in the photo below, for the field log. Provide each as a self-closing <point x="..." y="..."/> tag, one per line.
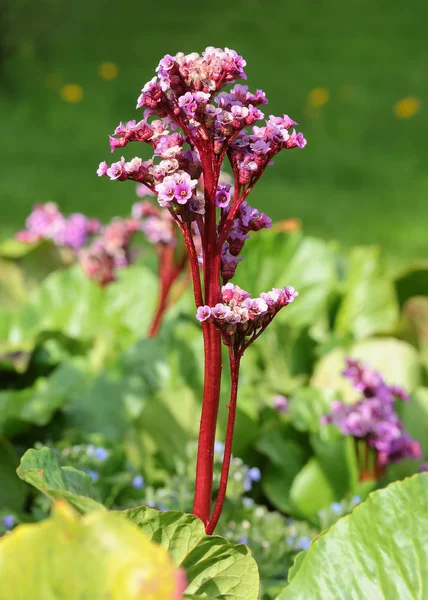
<point x="288" y="225"/>
<point x="407" y="107"/>
<point x="318" y="97"/>
<point x="108" y="71"/>
<point x="71" y="92"/>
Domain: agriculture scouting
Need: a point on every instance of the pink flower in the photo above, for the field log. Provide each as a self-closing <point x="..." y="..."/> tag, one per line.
<point x="166" y="191"/>
<point x="220" y="312"/>
<point x="182" y="193"/>
<point x="102" y="169"/>
<point x="203" y="313"/>
<point x="222" y="197"/>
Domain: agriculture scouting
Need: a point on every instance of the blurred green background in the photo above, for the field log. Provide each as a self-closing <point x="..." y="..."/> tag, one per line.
<point x="352" y="73"/>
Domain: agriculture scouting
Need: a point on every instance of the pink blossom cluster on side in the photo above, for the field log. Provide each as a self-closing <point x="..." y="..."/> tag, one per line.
<point x="100" y="249"/>
<point x="46" y="222"/>
<point x="374" y="418"/>
<point x="240" y="317"/>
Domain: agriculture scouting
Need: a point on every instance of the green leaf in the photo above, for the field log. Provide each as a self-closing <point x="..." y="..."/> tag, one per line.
<point x="13" y="291"/>
<point x="12" y="490"/>
<point x="397" y="361"/>
<point x="337" y="458"/>
<point x="215" y="568"/>
<point x="179" y="533"/>
<point x="99" y="556"/>
<point x="277" y="259"/>
<point x="311" y="489"/>
<point x="377" y="552"/>
<point x="287" y="459"/>
<point x="414" y="325"/>
<point x="131" y="301"/>
<point x="415" y="417"/>
<point x="307" y="406"/>
<point x="41" y="469"/>
<point x="36" y="405"/>
<point x="413" y="281"/>
<point x="370" y="303"/>
<point x="312" y="271"/>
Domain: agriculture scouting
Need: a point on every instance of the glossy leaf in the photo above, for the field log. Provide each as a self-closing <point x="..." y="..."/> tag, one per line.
<point x="379" y="551"/>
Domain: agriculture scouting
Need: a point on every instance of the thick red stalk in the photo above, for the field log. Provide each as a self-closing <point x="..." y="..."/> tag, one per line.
<point x="234" y="361"/>
<point x="212" y="348"/>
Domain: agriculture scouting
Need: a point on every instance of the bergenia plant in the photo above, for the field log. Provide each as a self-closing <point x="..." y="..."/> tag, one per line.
<point x="193" y="127"/>
<point x="380" y="438"/>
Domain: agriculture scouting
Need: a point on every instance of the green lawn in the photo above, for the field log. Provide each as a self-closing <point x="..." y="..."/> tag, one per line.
<point x="362" y="178"/>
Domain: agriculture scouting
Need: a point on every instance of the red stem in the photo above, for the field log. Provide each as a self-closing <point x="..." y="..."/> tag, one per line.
<point x="234" y="361"/>
<point x="212" y="348"/>
<point x="168" y="273"/>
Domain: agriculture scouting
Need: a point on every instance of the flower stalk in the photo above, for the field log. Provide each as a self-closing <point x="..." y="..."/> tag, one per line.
<point x="192" y="127"/>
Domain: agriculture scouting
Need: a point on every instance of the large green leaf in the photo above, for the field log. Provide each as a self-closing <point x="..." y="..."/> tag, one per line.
<point x="370" y="304"/>
<point x="397" y="361"/>
<point x="41" y="469"/>
<point x="215" y="568"/>
<point x="36" y="405"/>
<point x="69" y="302"/>
<point x="99" y="556"/>
<point x="276" y="259"/>
<point x="378" y="552"/>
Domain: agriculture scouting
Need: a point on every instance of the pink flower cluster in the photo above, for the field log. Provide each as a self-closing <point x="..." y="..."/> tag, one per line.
<point x="101" y="250"/>
<point x="373" y="418"/>
<point x="46" y="222"/>
<point x="182" y="95"/>
<point x="241" y="318"/>
<point x="250" y="154"/>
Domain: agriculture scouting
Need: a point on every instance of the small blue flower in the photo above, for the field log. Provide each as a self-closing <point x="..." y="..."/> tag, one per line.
<point x="219" y="447"/>
<point x="356" y="500"/>
<point x="243" y="539"/>
<point x="92" y="474"/>
<point x="290" y="541"/>
<point x="336" y="507"/>
<point x="248" y="502"/>
<point x="8" y="521"/>
<point x="138" y="482"/>
<point x="302" y="543"/>
<point x="101" y="453"/>
<point x="254" y="474"/>
<point x="247" y="482"/>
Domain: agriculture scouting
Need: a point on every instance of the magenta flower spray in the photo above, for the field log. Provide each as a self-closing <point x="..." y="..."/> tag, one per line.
<point x="193" y="127"/>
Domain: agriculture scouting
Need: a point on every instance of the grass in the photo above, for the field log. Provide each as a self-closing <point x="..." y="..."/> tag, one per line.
<point x="361" y="179"/>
